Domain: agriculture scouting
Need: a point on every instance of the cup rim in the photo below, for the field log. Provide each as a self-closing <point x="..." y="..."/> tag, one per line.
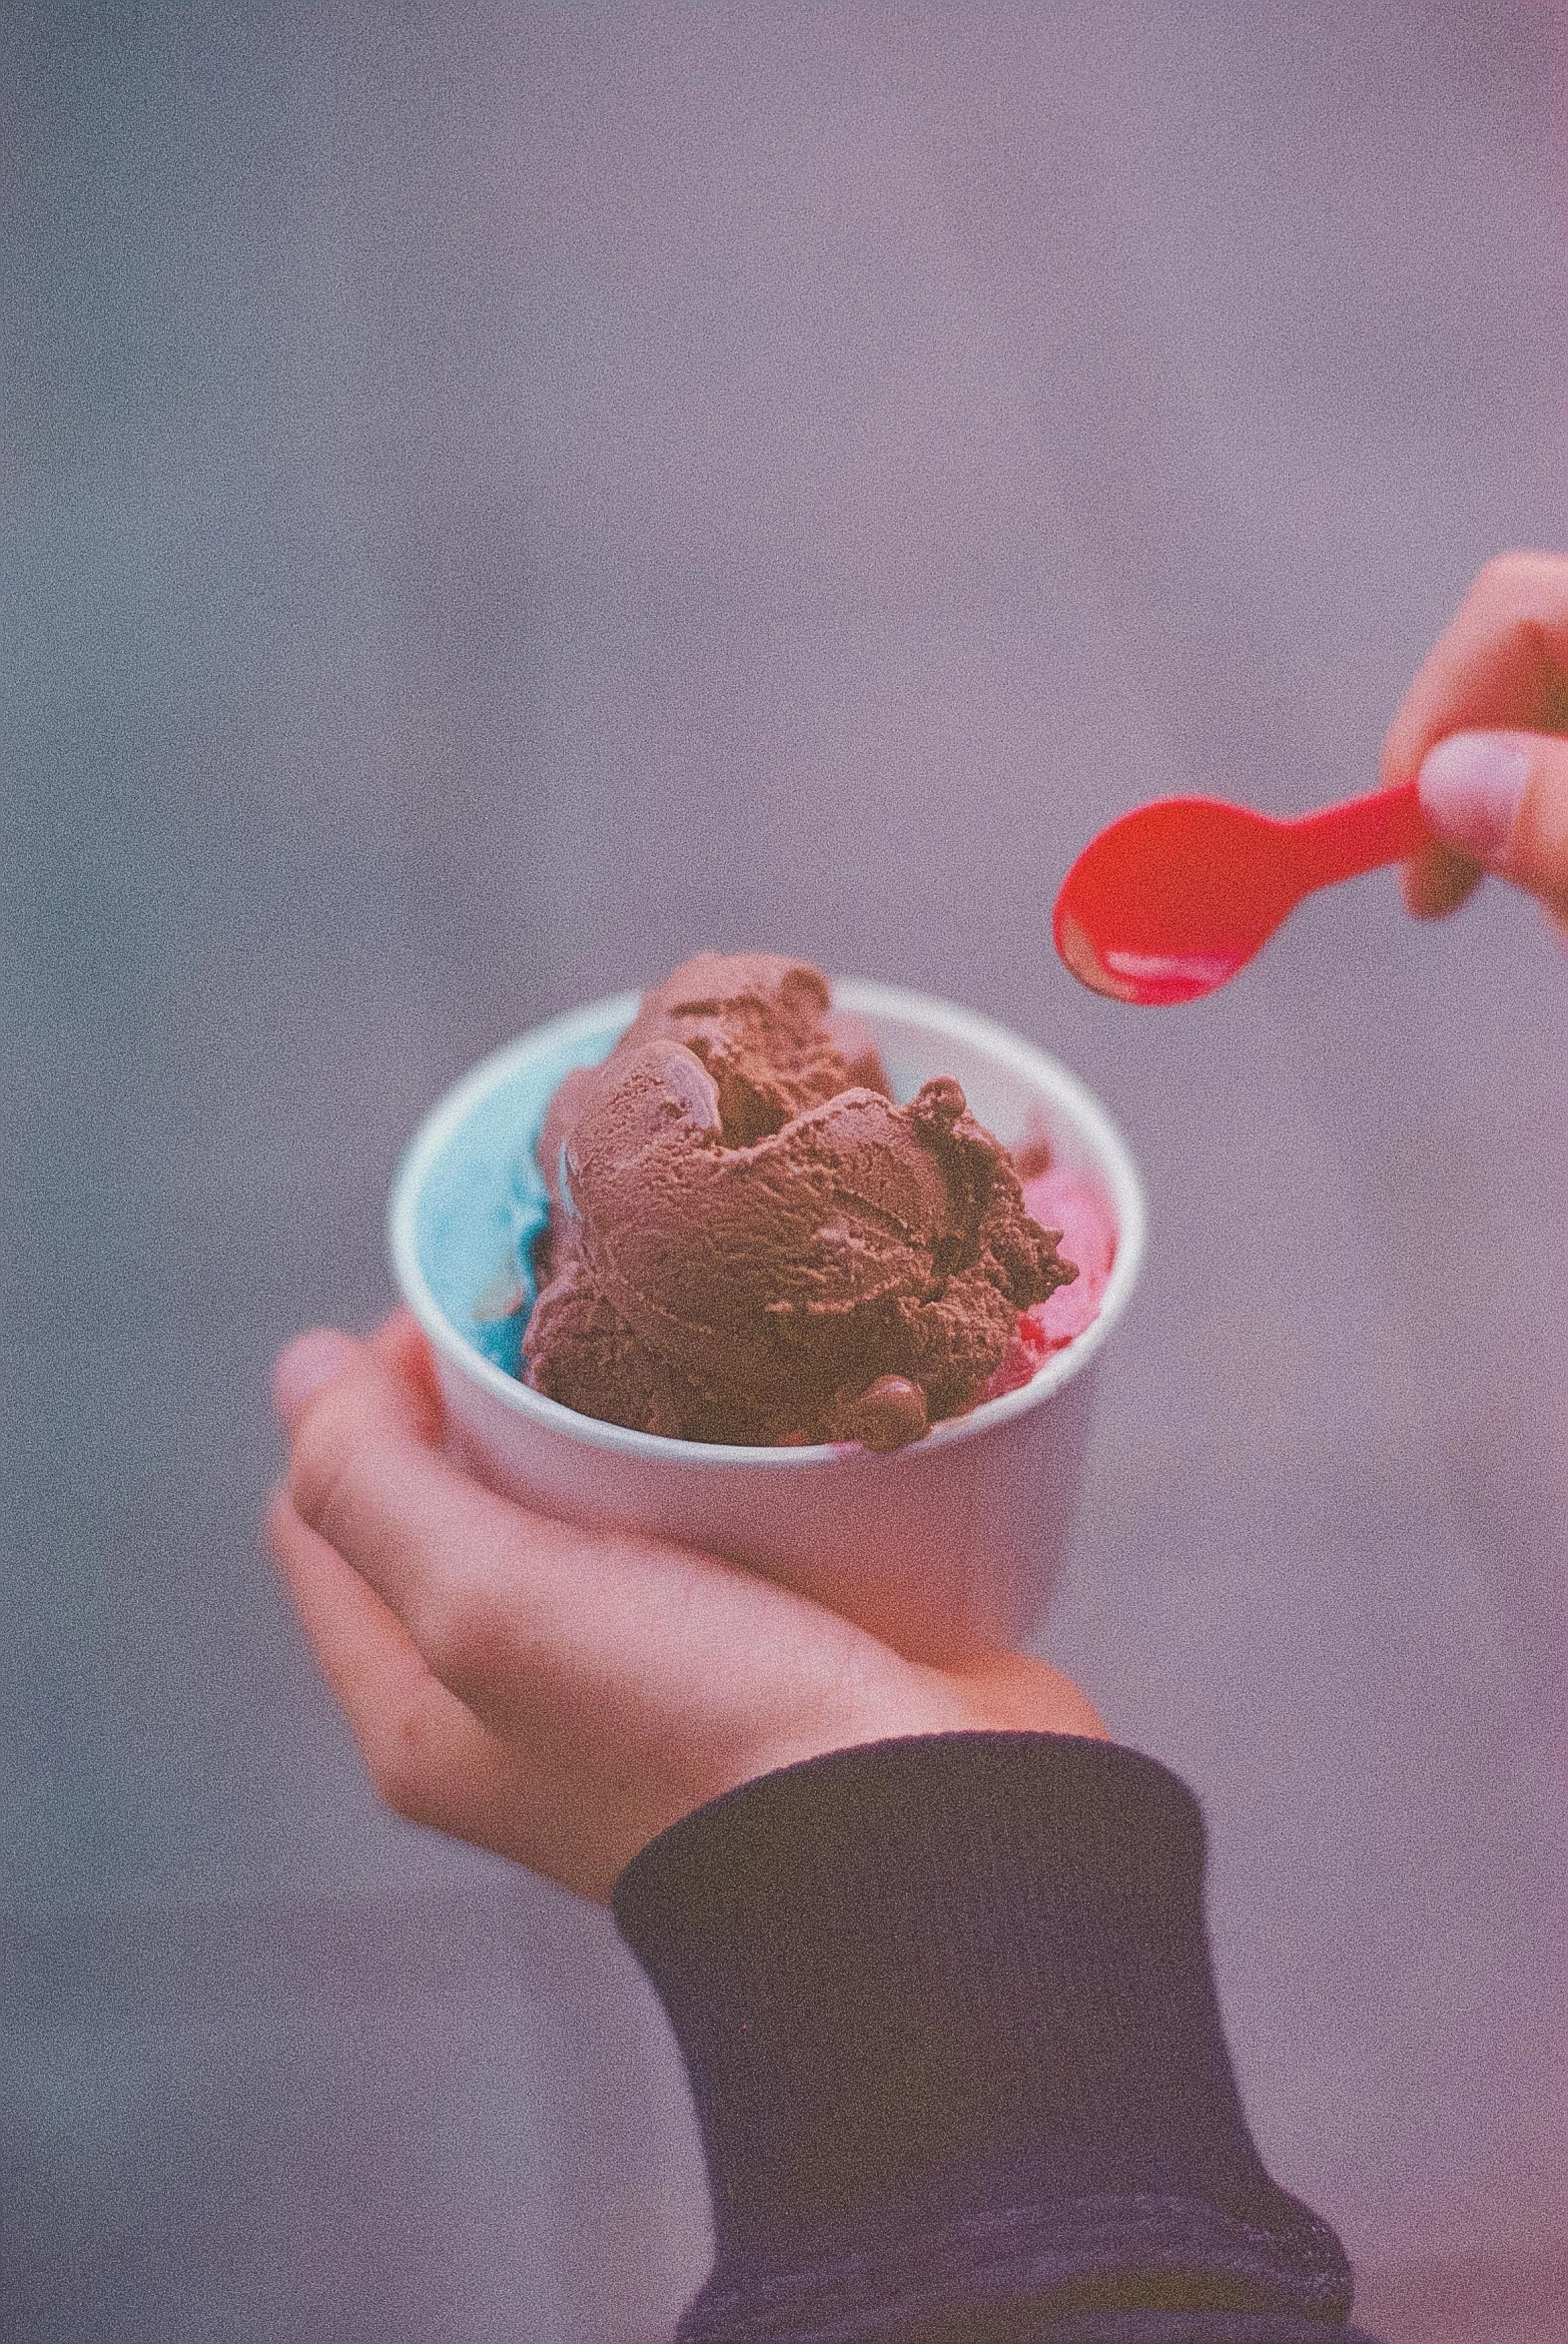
<point x="863" y="997"/>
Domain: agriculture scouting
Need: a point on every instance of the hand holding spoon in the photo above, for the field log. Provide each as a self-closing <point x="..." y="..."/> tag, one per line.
<point x="1175" y="898"/>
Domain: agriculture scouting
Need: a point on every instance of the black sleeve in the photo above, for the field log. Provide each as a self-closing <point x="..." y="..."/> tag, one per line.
<point x="948" y="2013"/>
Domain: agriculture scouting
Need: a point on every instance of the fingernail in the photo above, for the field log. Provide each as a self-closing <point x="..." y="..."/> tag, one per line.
<point x="310" y="1362"/>
<point x="1471" y="785"/>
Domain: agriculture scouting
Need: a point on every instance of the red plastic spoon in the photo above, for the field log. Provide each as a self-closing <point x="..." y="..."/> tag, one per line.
<point x="1174" y="899"/>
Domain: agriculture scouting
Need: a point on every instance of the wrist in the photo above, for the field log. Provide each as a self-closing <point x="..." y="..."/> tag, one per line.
<point x="994" y="1692"/>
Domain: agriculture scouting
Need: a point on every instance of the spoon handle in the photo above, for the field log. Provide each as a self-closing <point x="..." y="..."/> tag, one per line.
<point x="1343" y="840"/>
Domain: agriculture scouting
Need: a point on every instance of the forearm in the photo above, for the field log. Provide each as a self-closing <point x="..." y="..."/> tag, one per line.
<point x="948" y="2017"/>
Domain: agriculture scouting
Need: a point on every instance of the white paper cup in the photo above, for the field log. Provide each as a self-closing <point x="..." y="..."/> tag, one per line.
<point x="949" y="1544"/>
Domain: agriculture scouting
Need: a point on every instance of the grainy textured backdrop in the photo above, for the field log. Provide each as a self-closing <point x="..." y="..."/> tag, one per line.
<point x="498" y="497"/>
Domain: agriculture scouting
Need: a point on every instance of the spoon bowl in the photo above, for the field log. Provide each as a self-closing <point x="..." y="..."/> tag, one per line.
<point x="1174" y="899"/>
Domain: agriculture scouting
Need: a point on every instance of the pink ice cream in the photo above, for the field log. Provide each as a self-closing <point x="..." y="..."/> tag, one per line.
<point x="1061" y="1200"/>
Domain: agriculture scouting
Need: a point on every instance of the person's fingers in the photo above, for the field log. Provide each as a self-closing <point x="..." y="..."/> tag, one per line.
<point x="546" y="1629"/>
<point x="399" y="1342"/>
<point x="1501" y="799"/>
<point x="303" y="1365"/>
<point x="1438" y="880"/>
<point x="362" y="1473"/>
<point x="1500" y="667"/>
<point x="427" y="1756"/>
<point x="1501" y="664"/>
<point x="624" y="1680"/>
<point x="405" y="1347"/>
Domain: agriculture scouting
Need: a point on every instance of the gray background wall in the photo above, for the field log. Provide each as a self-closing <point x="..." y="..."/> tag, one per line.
<point x="499" y="497"/>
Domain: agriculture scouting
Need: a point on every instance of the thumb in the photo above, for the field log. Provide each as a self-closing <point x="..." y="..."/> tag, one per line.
<point x="1501" y="798"/>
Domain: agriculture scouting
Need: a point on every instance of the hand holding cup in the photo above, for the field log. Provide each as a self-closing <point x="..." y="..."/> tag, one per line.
<point x="561" y="1696"/>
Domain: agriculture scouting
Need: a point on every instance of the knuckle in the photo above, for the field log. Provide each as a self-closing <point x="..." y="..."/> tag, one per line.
<point x="399" y="1768"/>
<point x="464" y="1637"/>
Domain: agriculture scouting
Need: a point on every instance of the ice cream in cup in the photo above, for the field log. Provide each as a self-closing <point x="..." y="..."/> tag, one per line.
<point x="825" y="1475"/>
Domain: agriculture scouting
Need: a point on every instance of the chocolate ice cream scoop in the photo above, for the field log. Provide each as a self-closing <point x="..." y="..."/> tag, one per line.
<point x="764" y="1029"/>
<point x="751" y="1242"/>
